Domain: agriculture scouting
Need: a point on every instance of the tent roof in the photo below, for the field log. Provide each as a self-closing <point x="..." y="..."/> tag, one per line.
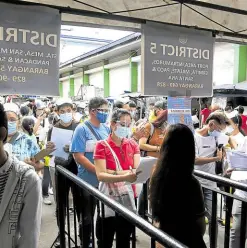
<point x="191" y="13"/>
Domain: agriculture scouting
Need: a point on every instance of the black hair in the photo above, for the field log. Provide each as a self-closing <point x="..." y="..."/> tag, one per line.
<point x="24" y="110"/>
<point x="118" y="113"/>
<point x="240" y="110"/>
<point x="3" y="122"/>
<point x="118" y="104"/>
<point x="238" y="120"/>
<point x="151" y="104"/>
<point x="218" y="117"/>
<point x="132" y="104"/>
<point x="228" y="108"/>
<point x="96" y="102"/>
<point x="64" y="105"/>
<point x="173" y="171"/>
<point x="28" y="125"/>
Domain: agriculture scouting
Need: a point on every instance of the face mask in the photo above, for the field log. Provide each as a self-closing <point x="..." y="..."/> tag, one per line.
<point x="229" y="129"/>
<point x="12" y="127"/>
<point x="122" y="132"/>
<point x="66" y="118"/>
<point x="102" y="117"/>
<point x="214" y="133"/>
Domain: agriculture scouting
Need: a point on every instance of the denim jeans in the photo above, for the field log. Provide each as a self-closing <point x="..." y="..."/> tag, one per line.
<point x="208" y="200"/>
<point x="46" y="181"/>
<point x="235" y="231"/>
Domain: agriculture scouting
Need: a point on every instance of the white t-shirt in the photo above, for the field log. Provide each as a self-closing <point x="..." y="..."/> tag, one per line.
<point x="239" y="139"/>
<point x="205" y="148"/>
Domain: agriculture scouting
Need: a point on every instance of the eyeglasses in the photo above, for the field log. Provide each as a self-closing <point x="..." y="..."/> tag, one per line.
<point x="103" y="110"/>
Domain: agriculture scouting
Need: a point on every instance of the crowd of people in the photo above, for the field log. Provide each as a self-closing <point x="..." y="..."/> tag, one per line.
<point x="105" y="150"/>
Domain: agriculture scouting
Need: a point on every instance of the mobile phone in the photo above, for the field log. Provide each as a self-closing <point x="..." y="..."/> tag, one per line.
<point x="220" y="146"/>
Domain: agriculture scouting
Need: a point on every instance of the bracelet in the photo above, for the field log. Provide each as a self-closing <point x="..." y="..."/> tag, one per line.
<point x="115" y="173"/>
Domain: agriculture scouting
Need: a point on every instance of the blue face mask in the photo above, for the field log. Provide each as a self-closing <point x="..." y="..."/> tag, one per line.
<point x="12" y="127"/>
<point x="102" y="117"/>
<point x="66" y="118"/>
<point x="214" y="133"/>
<point x="122" y="132"/>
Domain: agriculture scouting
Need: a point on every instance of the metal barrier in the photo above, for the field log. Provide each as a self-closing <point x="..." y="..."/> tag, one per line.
<point x="66" y="179"/>
<point x="215" y="218"/>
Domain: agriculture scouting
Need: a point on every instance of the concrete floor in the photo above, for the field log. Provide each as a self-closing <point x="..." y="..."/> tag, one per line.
<point x="49" y="231"/>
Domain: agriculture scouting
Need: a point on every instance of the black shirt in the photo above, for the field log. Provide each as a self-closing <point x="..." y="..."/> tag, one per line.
<point x="184" y="207"/>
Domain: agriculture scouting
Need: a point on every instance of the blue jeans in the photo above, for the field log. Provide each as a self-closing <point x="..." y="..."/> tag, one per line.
<point x="208" y="200"/>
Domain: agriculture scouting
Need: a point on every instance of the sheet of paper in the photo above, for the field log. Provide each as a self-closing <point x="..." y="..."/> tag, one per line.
<point x="237" y="160"/>
<point x="43" y="153"/>
<point x="61" y="138"/>
<point x="145" y="168"/>
<point x="240" y="176"/>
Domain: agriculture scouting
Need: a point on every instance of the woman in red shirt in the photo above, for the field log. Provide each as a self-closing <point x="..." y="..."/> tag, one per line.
<point x="128" y="153"/>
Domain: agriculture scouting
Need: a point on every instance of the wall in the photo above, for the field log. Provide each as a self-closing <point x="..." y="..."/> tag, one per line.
<point x="66" y="88"/>
<point x="97" y="80"/>
<point x="119" y="80"/>
<point x="78" y="82"/>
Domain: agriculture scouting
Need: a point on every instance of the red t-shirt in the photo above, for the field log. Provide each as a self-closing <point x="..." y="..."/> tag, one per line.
<point x="244" y="123"/>
<point x="125" y="153"/>
<point x="205" y="112"/>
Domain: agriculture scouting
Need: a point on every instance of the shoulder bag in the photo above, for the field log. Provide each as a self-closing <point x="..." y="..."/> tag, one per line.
<point x="120" y="192"/>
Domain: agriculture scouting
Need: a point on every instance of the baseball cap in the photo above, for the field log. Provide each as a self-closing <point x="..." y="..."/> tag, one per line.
<point x="12" y="107"/>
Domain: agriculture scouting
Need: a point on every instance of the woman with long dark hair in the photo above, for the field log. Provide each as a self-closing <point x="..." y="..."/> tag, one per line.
<point x="175" y="194"/>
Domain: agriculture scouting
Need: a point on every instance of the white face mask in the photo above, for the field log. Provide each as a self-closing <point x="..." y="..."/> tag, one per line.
<point x="229" y="129"/>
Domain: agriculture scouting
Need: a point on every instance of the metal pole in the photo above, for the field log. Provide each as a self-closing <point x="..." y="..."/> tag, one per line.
<point x="60" y="205"/>
<point x="213" y="6"/>
<point x="96" y="14"/>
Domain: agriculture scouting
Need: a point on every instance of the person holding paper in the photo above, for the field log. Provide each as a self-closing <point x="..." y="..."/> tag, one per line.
<point x="82" y="147"/>
<point x="175" y="194"/>
<point x="116" y="149"/>
<point x="208" y="153"/>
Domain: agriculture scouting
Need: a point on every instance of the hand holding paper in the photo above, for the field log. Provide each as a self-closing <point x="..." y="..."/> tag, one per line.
<point x="145" y="168"/>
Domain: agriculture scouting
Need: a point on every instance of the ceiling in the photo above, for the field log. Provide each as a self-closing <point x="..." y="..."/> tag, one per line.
<point x="155" y="10"/>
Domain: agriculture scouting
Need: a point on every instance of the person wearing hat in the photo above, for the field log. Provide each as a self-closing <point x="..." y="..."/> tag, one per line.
<point x="20" y="193"/>
<point x="65" y="112"/>
<point x="19" y="144"/>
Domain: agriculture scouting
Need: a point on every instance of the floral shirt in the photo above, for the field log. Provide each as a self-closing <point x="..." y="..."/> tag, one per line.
<point x="24" y="147"/>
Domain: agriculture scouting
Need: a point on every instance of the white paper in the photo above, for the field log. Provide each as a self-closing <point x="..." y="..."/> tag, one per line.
<point x="61" y="138"/>
<point x="144" y="169"/>
<point x="240" y="176"/>
<point x="237" y="160"/>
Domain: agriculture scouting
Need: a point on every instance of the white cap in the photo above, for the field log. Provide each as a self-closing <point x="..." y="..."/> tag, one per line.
<point x="62" y="101"/>
<point x="11" y="107"/>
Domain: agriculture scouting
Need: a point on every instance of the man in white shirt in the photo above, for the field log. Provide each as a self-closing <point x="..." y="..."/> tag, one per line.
<point x="207" y="153"/>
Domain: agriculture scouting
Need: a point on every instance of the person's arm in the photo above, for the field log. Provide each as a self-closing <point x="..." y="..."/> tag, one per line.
<point x="30" y="216"/>
<point x="38" y="123"/>
<point x="104" y="176"/>
<point x="146" y="147"/>
<point x="78" y="148"/>
<point x="84" y="162"/>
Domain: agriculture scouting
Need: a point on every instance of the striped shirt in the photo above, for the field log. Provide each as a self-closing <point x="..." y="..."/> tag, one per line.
<point x="4" y="175"/>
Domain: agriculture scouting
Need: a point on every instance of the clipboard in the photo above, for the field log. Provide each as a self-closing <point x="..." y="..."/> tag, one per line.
<point x="43" y="153"/>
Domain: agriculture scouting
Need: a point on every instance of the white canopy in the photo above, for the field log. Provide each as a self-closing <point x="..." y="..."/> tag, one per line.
<point x="169" y="11"/>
